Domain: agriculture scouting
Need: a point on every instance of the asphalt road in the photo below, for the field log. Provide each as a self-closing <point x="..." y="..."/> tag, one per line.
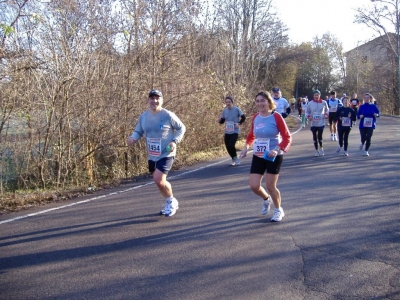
<point x="339" y="239"/>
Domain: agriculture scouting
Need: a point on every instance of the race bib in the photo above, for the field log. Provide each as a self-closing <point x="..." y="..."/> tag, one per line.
<point x="354" y="102"/>
<point x="260" y="147"/>
<point x="154" y="146"/>
<point x="346" y="121"/>
<point x="368" y="122"/>
<point x="333" y="109"/>
<point x="317" y="117"/>
<point x="229" y="126"/>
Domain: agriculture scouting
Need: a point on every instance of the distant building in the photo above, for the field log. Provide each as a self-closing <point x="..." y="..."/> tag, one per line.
<point x="373" y="67"/>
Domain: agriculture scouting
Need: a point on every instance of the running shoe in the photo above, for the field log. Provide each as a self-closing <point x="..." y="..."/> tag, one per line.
<point x="162" y="211"/>
<point x="321" y="152"/>
<point x="171" y="207"/>
<point x="233" y="163"/>
<point x="304" y="126"/>
<point x="334" y="137"/>
<point x="316" y="153"/>
<point x="361" y="146"/>
<point x="278" y="215"/>
<point x="266" y="206"/>
<point x="338" y="149"/>
<point x="237" y="161"/>
<point x="366" y="153"/>
<point x="346" y="153"/>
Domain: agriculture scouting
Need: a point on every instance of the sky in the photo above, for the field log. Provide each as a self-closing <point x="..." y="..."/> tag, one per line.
<point x="309" y="18"/>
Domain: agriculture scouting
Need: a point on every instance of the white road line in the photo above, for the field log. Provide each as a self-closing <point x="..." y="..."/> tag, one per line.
<point x="115" y="193"/>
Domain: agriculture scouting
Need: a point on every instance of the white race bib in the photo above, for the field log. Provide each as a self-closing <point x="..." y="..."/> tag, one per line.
<point x="154" y="146"/>
<point x="229" y="126"/>
<point x="368" y="122"/>
<point x="317" y="117"/>
<point x="260" y="147"/>
<point x="346" y="121"/>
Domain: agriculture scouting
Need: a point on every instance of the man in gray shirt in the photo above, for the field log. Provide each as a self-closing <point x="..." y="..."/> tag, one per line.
<point x="163" y="131"/>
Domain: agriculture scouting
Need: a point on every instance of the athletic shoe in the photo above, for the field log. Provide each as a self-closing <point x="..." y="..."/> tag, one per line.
<point x="321" y="152"/>
<point x="332" y="137"/>
<point x="237" y="161"/>
<point x="338" y="149"/>
<point x="266" y="206"/>
<point x="304" y="126"/>
<point x="316" y="153"/>
<point x="361" y="146"/>
<point x="233" y="163"/>
<point x="346" y="153"/>
<point x="366" y="153"/>
<point x="162" y="211"/>
<point x="278" y="215"/>
<point x="171" y="207"/>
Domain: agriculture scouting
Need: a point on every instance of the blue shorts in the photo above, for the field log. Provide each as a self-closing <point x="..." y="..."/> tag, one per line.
<point x="260" y="165"/>
<point x="164" y="165"/>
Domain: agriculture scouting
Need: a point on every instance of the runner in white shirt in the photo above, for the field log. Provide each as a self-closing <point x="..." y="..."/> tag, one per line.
<point x="282" y="105"/>
<point x="333" y="104"/>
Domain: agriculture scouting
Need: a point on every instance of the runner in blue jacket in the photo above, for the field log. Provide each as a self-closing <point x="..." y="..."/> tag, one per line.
<point x="367" y="114"/>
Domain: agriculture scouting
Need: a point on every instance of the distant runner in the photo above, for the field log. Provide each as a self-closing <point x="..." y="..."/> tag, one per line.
<point x="345" y="116"/>
<point x="233" y="117"/>
<point x="367" y="114"/>
<point x="317" y="112"/>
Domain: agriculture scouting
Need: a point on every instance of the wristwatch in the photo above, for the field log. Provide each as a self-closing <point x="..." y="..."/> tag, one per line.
<point x="277" y="148"/>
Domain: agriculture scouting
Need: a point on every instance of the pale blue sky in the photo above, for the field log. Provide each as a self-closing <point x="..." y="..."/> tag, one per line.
<point x="309" y="18"/>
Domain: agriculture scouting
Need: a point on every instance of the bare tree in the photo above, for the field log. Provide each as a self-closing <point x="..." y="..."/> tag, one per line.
<point x="384" y="19"/>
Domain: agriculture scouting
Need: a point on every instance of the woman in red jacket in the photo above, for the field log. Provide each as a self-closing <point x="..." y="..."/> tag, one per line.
<point x="270" y="138"/>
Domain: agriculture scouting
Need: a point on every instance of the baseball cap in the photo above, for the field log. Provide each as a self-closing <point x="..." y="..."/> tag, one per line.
<point x="275" y="89"/>
<point x="155" y="93"/>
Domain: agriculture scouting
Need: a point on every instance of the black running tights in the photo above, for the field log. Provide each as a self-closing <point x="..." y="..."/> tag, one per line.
<point x="344" y="137"/>
<point x="366" y="135"/>
<point x="317" y="136"/>
<point x="230" y="142"/>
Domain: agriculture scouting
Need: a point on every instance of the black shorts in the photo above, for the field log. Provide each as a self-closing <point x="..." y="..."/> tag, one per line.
<point x="260" y="165"/>
<point x="331" y="117"/>
<point x="164" y="165"/>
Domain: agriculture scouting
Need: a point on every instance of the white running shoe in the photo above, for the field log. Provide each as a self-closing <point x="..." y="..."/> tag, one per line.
<point x="278" y="215"/>
<point x="316" y="153"/>
<point x="346" y="153"/>
<point x="334" y="137"/>
<point x="338" y="149"/>
<point x="361" y="146"/>
<point x="266" y="206"/>
<point x="171" y="207"/>
<point x="162" y="211"/>
<point x="366" y="153"/>
<point x="237" y="161"/>
<point x="233" y="163"/>
<point x="321" y="152"/>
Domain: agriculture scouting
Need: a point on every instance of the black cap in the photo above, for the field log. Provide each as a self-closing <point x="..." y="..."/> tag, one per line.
<point x="275" y="89"/>
<point x="155" y="93"/>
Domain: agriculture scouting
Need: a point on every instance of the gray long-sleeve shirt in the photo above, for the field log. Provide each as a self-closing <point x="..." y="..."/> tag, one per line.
<point x="317" y="111"/>
<point x="160" y="129"/>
